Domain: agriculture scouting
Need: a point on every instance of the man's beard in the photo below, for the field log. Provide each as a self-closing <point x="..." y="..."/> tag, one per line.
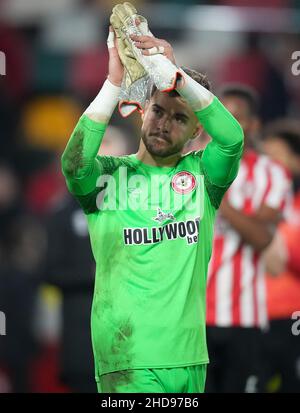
<point x="160" y="145"/>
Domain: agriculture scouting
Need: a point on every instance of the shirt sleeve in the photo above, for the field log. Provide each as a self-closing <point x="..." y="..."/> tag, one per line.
<point x="221" y="158"/>
<point x="278" y="194"/>
<point x="80" y="164"/>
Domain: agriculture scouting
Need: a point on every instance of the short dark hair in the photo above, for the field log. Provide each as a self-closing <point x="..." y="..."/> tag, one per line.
<point x="286" y="129"/>
<point x="244" y="92"/>
<point x="197" y="76"/>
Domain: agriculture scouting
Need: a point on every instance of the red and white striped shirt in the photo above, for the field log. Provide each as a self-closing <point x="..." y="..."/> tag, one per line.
<point x="236" y="285"/>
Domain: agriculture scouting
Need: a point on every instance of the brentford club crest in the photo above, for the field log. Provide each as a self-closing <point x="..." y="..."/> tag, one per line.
<point x="183" y="182"/>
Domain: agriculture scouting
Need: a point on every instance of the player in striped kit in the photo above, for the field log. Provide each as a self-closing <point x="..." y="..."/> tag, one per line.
<point x="249" y="213"/>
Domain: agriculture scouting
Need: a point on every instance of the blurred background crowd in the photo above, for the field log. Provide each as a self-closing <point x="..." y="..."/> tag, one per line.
<point x="56" y="62"/>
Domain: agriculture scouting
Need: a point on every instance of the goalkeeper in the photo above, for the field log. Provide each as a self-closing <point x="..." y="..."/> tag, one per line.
<point x="151" y="216"/>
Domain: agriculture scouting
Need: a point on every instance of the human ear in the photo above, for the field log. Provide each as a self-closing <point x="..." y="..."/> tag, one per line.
<point x="197" y="131"/>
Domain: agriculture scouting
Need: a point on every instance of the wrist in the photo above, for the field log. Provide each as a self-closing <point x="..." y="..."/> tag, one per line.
<point x="104" y="103"/>
<point x="113" y="81"/>
<point x="194" y="93"/>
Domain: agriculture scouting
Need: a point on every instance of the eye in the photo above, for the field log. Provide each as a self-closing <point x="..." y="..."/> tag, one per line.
<point x="180" y="119"/>
<point x="156" y="110"/>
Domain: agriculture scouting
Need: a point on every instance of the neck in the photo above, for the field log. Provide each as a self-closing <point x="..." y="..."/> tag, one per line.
<point x="146" y="157"/>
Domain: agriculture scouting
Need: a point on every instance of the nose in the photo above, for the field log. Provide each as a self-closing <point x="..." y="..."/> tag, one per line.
<point x="165" y="124"/>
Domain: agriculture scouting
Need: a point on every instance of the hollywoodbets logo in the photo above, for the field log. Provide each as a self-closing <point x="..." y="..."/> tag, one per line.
<point x="187" y="230"/>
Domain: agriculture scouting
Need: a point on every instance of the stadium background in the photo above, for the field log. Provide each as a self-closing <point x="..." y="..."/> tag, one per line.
<point x="56" y="62"/>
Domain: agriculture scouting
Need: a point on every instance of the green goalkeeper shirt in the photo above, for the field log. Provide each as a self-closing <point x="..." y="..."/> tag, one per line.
<point x="151" y="231"/>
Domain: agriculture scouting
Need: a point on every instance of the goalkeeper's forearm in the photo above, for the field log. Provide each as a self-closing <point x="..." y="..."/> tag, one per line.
<point x="217" y="121"/>
<point x="222" y="155"/>
<point x="79" y="163"/>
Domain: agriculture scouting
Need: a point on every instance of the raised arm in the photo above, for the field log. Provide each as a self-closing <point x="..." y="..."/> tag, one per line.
<point x="220" y="159"/>
<point x="80" y="164"/>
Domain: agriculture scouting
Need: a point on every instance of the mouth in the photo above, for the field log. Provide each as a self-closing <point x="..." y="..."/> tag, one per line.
<point x="161" y="138"/>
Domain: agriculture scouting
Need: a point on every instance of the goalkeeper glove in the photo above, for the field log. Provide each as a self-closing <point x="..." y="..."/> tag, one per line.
<point x="134" y="87"/>
<point x="137" y="71"/>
